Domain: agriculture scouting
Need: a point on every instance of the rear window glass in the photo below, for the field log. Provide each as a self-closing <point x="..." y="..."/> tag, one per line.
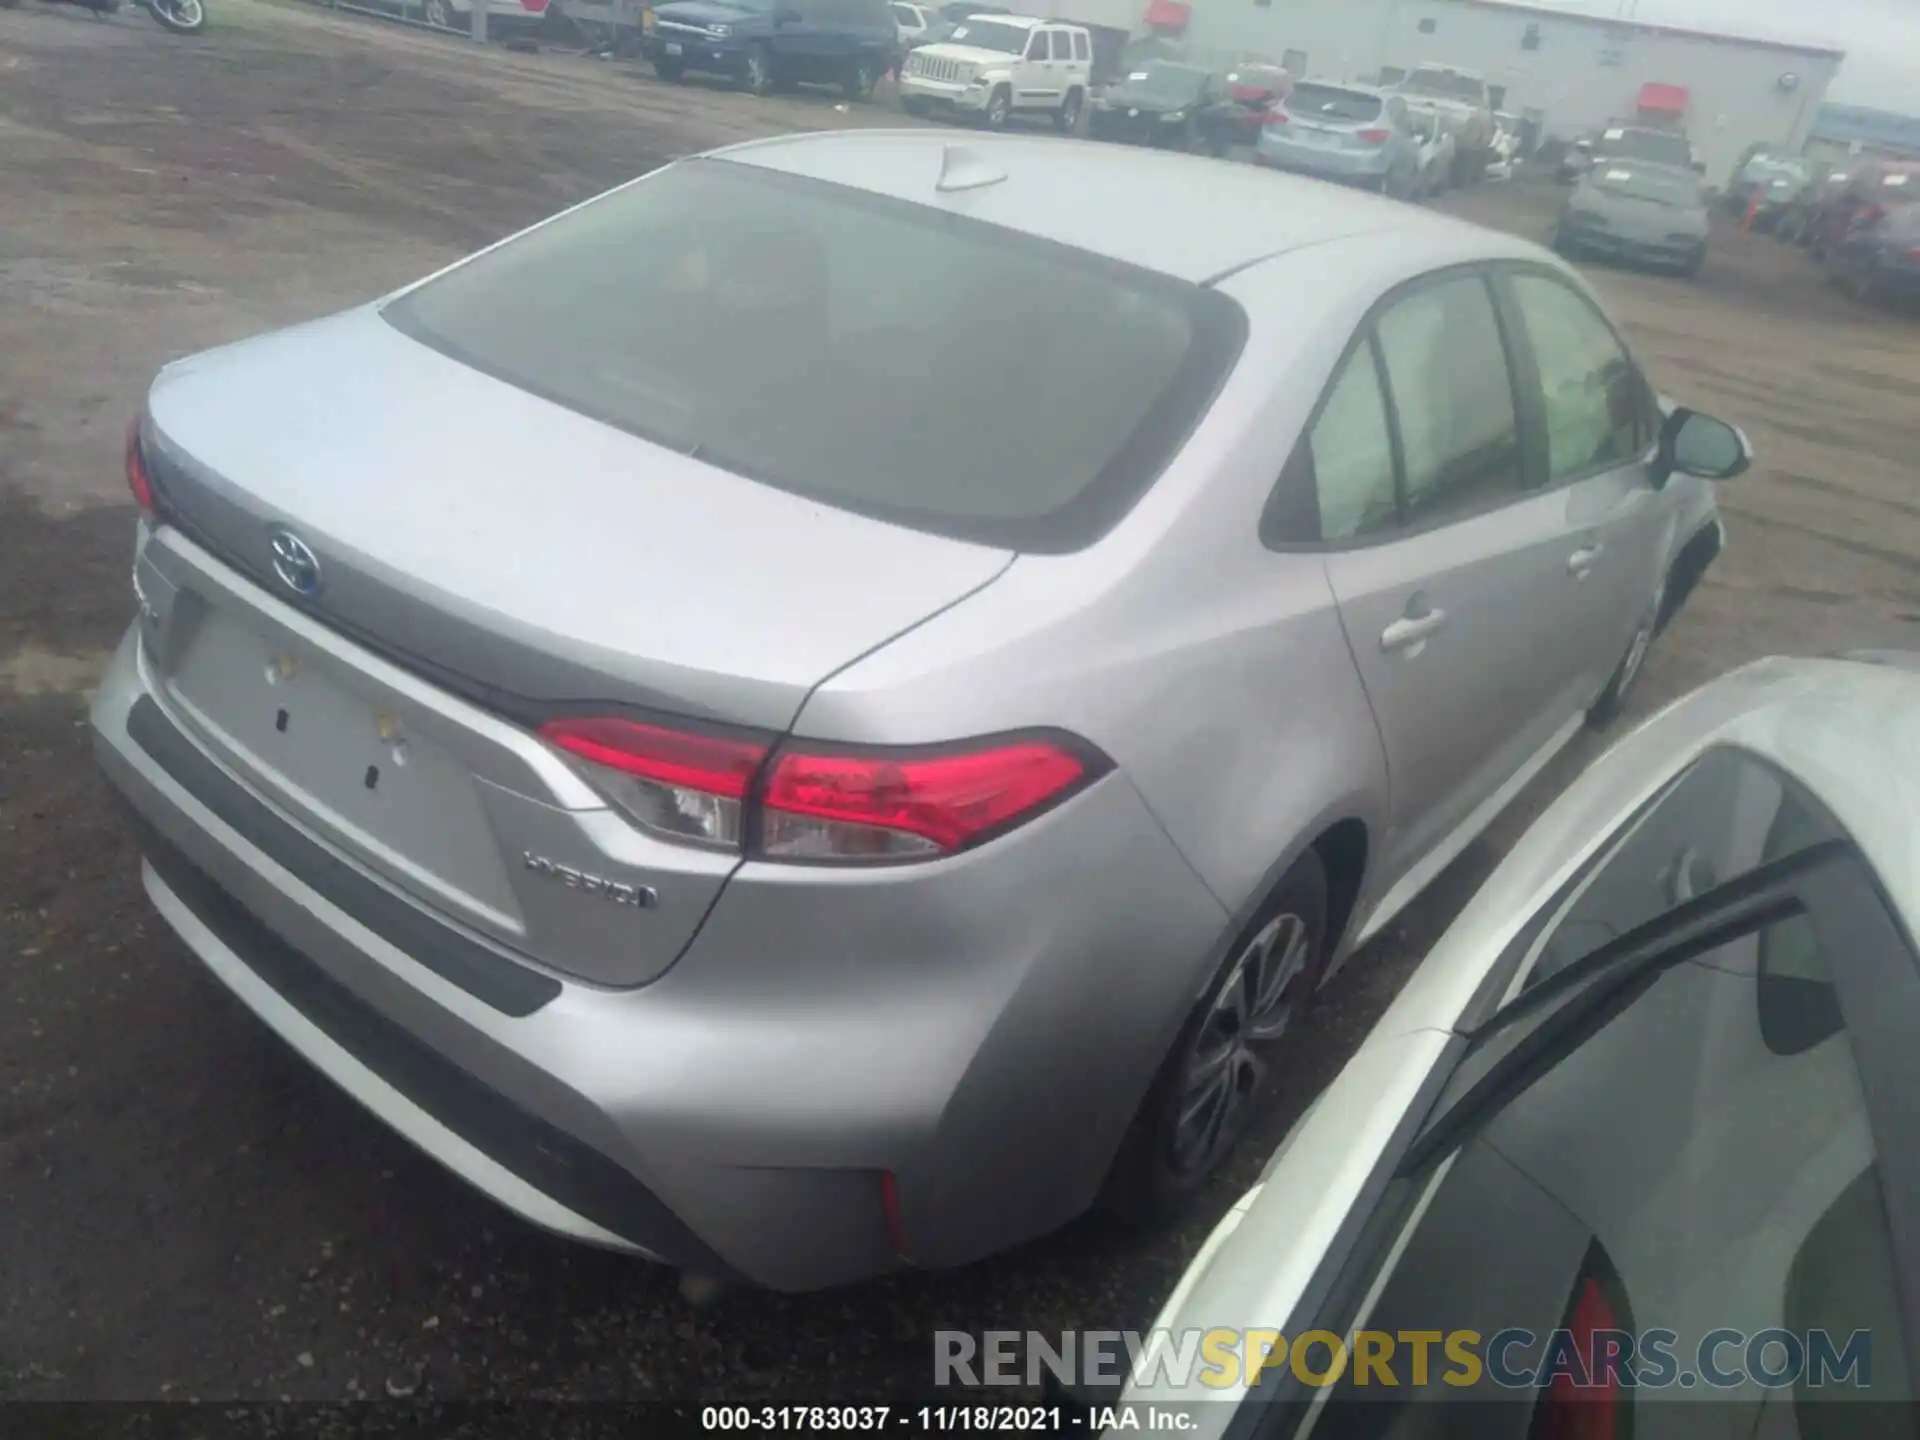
<point x="881" y="356"/>
<point x="1671" y="187"/>
<point x="1333" y="103"/>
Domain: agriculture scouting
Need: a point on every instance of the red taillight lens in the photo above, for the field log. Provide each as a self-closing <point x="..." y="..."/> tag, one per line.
<point x="1374" y="135"/>
<point x="817" y="804"/>
<point x="909" y="804"/>
<point x="680" y="784"/>
<point x="1276" y="117"/>
<point x="1586" y="1409"/>
<point x="138" y="480"/>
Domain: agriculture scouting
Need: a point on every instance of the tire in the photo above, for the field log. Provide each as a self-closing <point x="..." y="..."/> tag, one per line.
<point x="1162" y="1164"/>
<point x="914" y="106"/>
<point x="999" y="108"/>
<point x="1067" y="118"/>
<point x="1632" y="665"/>
<point x="1691" y="270"/>
<point x="758" y="79"/>
<point x="669" y="70"/>
<point x="182" y="17"/>
<point x="860" y="80"/>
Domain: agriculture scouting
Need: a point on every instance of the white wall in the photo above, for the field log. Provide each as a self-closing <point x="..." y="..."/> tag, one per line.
<point x="1581" y="74"/>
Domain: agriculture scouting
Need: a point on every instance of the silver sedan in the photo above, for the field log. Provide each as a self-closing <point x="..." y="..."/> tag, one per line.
<point x="827" y="709"/>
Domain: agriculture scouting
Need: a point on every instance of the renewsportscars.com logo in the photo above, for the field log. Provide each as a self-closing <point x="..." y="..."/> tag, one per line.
<point x="1513" y="1359"/>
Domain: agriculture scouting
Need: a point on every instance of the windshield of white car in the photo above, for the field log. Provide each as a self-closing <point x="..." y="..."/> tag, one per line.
<point x="1332" y="103"/>
<point x="992" y="35"/>
<point x="1640" y="183"/>
<point x="844" y="346"/>
<point x="1449" y="84"/>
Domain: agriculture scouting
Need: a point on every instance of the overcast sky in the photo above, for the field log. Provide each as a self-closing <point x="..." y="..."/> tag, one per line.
<point x="1881" y="37"/>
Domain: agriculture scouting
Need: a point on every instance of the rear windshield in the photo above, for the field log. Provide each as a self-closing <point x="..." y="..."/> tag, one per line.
<point x="1655" y="145"/>
<point x="1164" y="81"/>
<point x="877" y="355"/>
<point x="1334" y="103"/>
<point x="1448" y="83"/>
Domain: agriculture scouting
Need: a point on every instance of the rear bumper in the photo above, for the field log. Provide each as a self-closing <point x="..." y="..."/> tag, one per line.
<point x="1321" y="160"/>
<point x="1148" y="130"/>
<point x="982" y="1033"/>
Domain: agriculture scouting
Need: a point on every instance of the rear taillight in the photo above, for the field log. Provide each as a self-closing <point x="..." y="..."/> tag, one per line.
<point x="1373" y="135"/>
<point x="906" y="805"/>
<point x="1914" y="254"/>
<point x="823" y="804"/>
<point x="139" y="481"/>
<point x="677" y="783"/>
<point x="1276" y="117"/>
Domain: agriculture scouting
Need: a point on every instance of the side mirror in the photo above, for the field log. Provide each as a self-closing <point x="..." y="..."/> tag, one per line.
<point x="1696" y="444"/>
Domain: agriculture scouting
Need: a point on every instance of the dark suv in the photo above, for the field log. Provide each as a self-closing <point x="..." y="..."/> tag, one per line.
<point x="765" y="43"/>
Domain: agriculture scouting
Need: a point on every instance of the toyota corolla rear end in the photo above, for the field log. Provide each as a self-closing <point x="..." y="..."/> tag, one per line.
<point x="461" y="722"/>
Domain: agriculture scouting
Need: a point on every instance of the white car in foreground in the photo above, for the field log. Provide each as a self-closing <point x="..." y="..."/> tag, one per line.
<point x="1639" y="1132"/>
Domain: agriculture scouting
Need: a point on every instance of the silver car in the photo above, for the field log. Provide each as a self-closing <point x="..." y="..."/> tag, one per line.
<point x="1357" y="134"/>
<point x="756" y="743"/>
<point x="1647" y="1105"/>
<point x="1641" y="213"/>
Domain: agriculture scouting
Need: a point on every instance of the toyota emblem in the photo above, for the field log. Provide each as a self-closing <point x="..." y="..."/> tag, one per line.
<point x="295" y="563"/>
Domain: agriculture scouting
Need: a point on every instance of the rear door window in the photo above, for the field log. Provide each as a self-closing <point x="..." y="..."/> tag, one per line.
<point x="1352" y="454"/>
<point x="878" y="355"/>
<point x="1062" y="45"/>
<point x="1080" y="50"/>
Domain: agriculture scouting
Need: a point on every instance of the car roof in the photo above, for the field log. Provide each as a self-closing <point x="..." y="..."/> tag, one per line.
<point x="1193" y="218"/>
<point x="1352" y="87"/>
<point x="1019" y="22"/>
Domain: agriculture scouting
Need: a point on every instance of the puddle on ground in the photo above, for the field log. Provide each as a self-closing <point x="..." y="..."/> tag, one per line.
<point x="43" y="672"/>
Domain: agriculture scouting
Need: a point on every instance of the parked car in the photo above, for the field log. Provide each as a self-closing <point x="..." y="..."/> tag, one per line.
<point x="1182" y="107"/>
<point x="918" y="24"/>
<point x="1436" y="149"/>
<point x="763" y="44"/>
<point x="1255" y="88"/>
<point x="1771" y="187"/>
<point x="1651" y="1092"/>
<point x="1356" y="134"/>
<point x="1465" y="106"/>
<point x="1870" y="191"/>
<point x="1000" y="66"/>
<point x="1880" y="258"/>
<point x="1640" y="213"/>
<point x="504" y="17"/>
<point x="694" y="891"/>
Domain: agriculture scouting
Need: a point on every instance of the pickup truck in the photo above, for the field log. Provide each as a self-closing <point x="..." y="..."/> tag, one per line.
<point x="1464" y="106"/>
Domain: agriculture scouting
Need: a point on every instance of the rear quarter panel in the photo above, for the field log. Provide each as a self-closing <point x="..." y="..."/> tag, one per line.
<point x="1215" y="672"/>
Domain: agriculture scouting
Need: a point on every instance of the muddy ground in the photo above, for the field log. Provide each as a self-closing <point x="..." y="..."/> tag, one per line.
<point x="187" y="1210"/>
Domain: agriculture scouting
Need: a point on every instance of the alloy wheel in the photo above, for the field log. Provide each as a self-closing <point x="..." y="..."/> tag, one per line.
<point x="1252" y="1008"/>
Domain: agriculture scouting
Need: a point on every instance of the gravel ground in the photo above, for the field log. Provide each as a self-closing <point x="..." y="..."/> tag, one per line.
<point x="190" y="1211"/>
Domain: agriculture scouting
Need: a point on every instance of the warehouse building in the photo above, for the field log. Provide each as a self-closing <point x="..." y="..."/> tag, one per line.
<point x="1569" y="72"/>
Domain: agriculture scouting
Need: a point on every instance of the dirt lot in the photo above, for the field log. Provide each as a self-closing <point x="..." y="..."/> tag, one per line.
<point x="189" y="1210"/>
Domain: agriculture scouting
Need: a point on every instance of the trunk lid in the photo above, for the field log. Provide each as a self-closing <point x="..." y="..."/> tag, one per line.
<point x="487" y="559"/>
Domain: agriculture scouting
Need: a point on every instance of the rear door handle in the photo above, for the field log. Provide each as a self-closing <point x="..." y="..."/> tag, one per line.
<point x="1582" y="560"/>
<point x="1409" y="631"/>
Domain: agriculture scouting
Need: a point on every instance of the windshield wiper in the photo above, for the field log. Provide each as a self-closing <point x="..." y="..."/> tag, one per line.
<point x="1542" y="1026"/>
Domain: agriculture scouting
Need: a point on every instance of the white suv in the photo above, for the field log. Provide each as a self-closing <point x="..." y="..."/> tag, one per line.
<point x="998" y="66"/>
